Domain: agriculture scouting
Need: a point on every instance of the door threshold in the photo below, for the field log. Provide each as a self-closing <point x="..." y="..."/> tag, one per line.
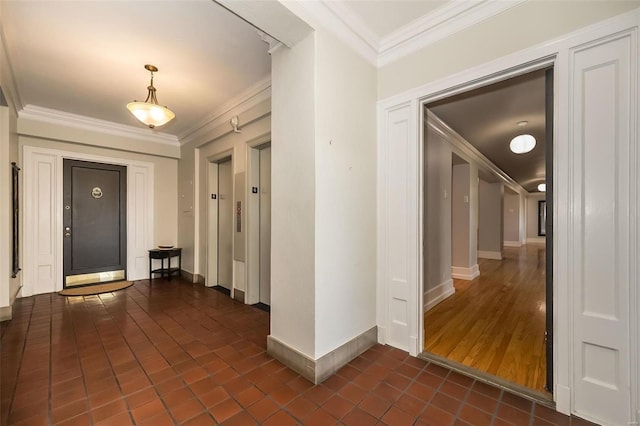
<point x="543" y="398"/>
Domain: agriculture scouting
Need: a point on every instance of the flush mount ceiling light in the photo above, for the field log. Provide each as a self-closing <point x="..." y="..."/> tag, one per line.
<point x="522" y="144"/>
<point x="150" y="112"/>
<point x="542" y="187"/>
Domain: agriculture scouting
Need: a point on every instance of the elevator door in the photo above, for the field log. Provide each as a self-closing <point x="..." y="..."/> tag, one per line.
<point x="225" y="224"/>
<point x="265" y="226"/>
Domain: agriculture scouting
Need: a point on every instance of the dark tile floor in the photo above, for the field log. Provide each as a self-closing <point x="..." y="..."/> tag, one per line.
<point x="171" y="353"/>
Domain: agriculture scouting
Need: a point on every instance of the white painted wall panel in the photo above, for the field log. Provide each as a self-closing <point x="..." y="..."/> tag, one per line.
<point x="400" y="223"/>
<point x="601" y="112"/>
<point x="39" y="253"/>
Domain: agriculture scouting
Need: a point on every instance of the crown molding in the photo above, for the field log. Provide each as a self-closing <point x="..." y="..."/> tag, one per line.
<point x="54" y="116"/>
<point x="447" y="20"/>
<point x="341" y="22"/>
<point x="469" y="152"/>
<point x="255" y="94"/>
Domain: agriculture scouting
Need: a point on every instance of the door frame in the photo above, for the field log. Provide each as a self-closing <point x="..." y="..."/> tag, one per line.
<point x="467" y="152"/>
<point x="140" y="215"/>
<point x="252" y="247"/>
<point x="211" y="278"/>
<point x="399" y="298"/>
<point x="68" y="185"/>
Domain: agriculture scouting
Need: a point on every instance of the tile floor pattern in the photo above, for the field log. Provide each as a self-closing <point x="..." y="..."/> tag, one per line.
<point x="167" y="353"/>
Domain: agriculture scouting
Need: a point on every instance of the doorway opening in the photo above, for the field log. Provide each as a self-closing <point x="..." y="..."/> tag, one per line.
<point x="95" y="223"/>
<point x="259" y="236"/>
<point x="220" y="225"/>
<point x="487" y="274"/>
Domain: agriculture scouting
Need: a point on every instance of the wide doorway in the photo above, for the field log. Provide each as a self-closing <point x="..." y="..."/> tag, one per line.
<point x="487" y="247"/>
<point x="94" y="221"/>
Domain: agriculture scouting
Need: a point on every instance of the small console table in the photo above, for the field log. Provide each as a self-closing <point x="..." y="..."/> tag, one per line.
<point x="163" y="254"/>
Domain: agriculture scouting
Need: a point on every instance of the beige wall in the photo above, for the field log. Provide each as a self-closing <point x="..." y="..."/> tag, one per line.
<point x="522" y="26"/>
<point x="165" y="178"/>
<point x="9" y="287"/>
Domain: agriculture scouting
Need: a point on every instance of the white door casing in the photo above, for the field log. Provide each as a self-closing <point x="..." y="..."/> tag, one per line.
<point x="265" y="225"/>
<point x="603" y="95"/>
<point x="398" y="248"/>
<point x="212" y="225"/>
<point x="43" y="245"/>
<point x="225" y="224"/>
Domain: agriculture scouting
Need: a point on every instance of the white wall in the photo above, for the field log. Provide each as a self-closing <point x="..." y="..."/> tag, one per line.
<point x="532" y="217"/>
<point x="345" y="222"/>
<point x="460" y="216"/>
<point x="511" y="217"/>
<point x="490" y="223"/>
<point x="293" y="180"/>
<point x="525" y="25"/>
<point x="186" y="207"/>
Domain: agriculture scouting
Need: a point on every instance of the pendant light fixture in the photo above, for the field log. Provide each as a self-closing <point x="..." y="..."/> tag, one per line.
<point x="150" y="112"/>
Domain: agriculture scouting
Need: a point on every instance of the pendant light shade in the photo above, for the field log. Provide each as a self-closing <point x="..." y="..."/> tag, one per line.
<point x="522" y="144"/>
<point x="150" y="112"/>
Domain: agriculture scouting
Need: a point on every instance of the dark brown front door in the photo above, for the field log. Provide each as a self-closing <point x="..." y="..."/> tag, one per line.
<point x="94" y="215"/>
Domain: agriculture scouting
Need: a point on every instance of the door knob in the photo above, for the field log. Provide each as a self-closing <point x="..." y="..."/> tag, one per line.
<point x="67" y="231"/>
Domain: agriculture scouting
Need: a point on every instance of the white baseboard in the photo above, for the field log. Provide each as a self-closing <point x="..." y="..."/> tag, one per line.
<point x="536" y="240"/>
<point x="465" y="273"/>
<point x="438" y="294"/>
<point x="512" y="244"/>
<point x="484" y="254"/>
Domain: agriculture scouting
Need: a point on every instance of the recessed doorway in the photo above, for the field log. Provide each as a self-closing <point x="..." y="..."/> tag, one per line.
<point x="487" y="283"/>
<point x="220" y="225"/>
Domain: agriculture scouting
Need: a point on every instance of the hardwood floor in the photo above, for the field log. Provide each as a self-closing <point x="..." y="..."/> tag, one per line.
<point x="496" y="322"/>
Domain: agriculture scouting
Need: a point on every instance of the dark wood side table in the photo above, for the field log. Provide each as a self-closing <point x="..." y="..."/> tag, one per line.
<point x="163" y="254"/>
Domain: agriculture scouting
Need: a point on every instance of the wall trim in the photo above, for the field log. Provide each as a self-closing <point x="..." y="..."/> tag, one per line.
<point x="438" y="294"/>
<point x="238" y="295"/>
<point x="536" y="240"/>
<point x="485" y="254"/>
<point x="467" y="274"/>
<point x="5" y="313"/>
<point x="67" y="119"/>
<point x="443" y="22"/>
<point x="446" y="20"/>
<point x="512" y="244"/>
<point x="468" y="152"/>
<point x="246" y="100"/>
<point x="316" y="371"/>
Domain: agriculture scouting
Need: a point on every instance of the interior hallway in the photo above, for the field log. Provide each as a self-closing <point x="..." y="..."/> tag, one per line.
<point x="496" y="322"/>
<point x="171" y="352"/>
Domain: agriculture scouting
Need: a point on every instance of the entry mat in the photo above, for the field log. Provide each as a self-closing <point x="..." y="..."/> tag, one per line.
<point x="88" y="290"/>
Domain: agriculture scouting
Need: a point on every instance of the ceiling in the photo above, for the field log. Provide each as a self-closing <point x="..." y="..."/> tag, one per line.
<point x="88" y="57"/>
<point x="487" y="118"/>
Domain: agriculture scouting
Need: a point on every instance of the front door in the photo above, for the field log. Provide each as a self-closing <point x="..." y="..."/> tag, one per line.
<point x="94" y="217"/>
